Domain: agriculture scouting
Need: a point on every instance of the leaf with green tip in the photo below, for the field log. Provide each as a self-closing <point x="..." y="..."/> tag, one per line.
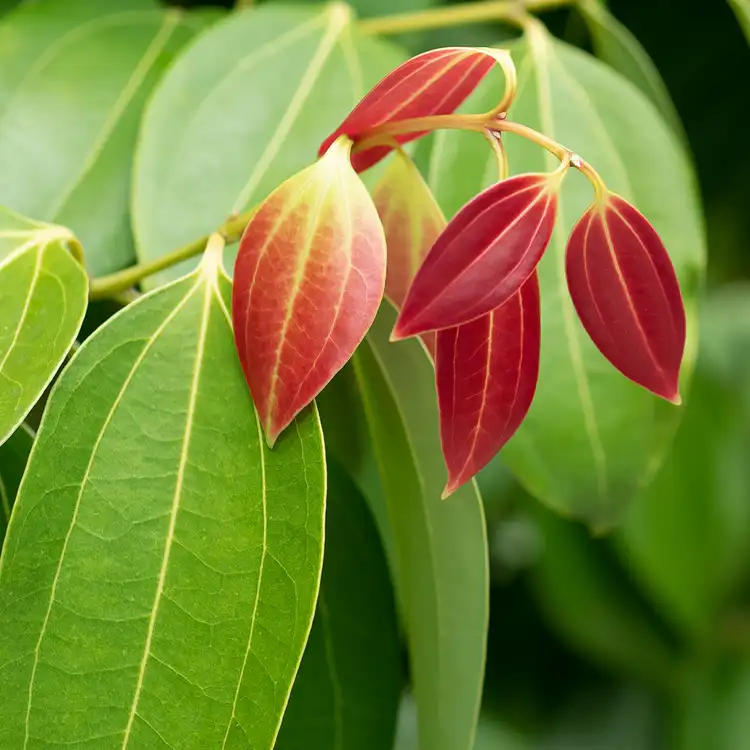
<point x="167" y="596"/>
<point x="741" y="9"/>
<point x="14" y="453"/>
<point x="440" y="546"/>
<point x="616" y="46"/>
<point x="43" y="297"/>
<point x="61" y="155"/>
<point x="251" y="100"/>
<point x="347" y="692"/>
<point x="591" y="437"/>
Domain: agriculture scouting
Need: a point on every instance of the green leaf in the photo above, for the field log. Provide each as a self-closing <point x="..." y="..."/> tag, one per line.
<point x="347" y="691"/>
<point x="14" y="453"/>
<point x="251" y="100"/>
<point x="161" y="567"/>
<point x="43" y="296"/>
<point x="741" y="9"/>
<point x="616" y="46"/>
<point x="440" y="546"/>
<point x="66" y="158"/>
<point x="593" y="608"/>
<point x="687" y="538"/>
<point x="591" y="437"/>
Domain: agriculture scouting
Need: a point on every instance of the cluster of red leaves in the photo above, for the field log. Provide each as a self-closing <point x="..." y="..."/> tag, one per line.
<point x="311" y="272"/>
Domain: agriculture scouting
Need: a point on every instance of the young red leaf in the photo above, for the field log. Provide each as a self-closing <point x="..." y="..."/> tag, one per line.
<point x="487" y="372"/>
<point x="433" y="83"/>
<point x="626" y="293"/>
<point x="490" y="247"/>
<point x="412" y="221"/>
<point x="307" y="285"/>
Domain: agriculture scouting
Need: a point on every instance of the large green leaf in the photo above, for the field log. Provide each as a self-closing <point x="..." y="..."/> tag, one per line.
<point x="73" y="83"/>
<point x="346" y="695"/>
<point x="614" y="44"/>
<point x="244" y="108"/>
<point x="161" y="567"/>
<point x="591" y="436"/>
<point x="440" y="546"/>
<point x="687" y="538"/>
<point x="742" y="11"/>
<point x="14" y="453"/>
<point x="43" y="295"/>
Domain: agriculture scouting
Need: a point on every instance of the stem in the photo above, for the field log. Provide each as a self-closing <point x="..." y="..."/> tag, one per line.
<point x="440" y="18"/>
<point x="116" y="283"/>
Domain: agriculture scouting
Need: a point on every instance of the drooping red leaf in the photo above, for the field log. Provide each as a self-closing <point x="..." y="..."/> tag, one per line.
<point x="490" y="247"/>
<point x="433" y="83"/>
<point x="626" y="293"/>
<point x="412" y="221"/>
<point x="308" y="281"/>
<point x="487" y="372"/>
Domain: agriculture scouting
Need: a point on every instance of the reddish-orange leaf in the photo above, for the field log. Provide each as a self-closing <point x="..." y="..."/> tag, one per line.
<point x="412" y="221"/>
<point x="433" y="83"/>
<point x="626" y="293"/>
<point x="307" y="285"/>
<point x="487" y="372"/>
<point x="490" y="247"/>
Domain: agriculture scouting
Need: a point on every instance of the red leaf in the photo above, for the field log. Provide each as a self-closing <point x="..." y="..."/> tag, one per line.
<point x="487" y="372"/>
<point x="307" y="285"/>
<point x="433" y="83"/>
<point x="487" y="251"/>
<point x="412" y="221"/>
<point x="626" y="293"/>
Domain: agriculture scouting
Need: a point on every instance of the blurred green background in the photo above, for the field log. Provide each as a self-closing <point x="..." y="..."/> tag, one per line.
<point x="639" y="640"/>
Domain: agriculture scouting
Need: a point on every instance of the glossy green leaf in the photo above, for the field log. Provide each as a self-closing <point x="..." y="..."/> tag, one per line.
<point x="593" y="608"/>
<point x="14" y="453"/>
<point x="346" y="695"/>
<point x="250" y="102"/>
<point x="591" y="437"/>
<point x="741" y="9"/>
<point x="440" y="546"/>
<point x="161" y="567"/>
<point x="614" y="44"/>
<point x="687" y="538"/>
<point x="66" y="158"/>
<point x="43" y="296"/>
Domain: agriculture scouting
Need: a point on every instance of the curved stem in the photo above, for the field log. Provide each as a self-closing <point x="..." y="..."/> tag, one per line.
<point x="116" y="283"/>
<point x="456" y="15"/>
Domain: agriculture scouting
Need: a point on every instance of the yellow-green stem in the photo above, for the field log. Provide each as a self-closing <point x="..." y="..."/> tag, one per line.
<point x="116" y="283"/>
<point x="457" y="15"/>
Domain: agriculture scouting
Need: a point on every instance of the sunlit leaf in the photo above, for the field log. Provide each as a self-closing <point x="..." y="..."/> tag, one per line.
<point x="626" y="294"/>
<point x="440" y="547"/>
<point x="14" y="453"/>
<point x="307" y="285"/>
<point x="487" y="251"/>
<point x="742" y="11"/>
<point x="347" y="691"/>
<point x="592" y="437"/>
<point x="486" y="377"/>
<point x="251" y="101"/>
<point x="66" y="159"/>
<point x="433" y="83"/>
<point x="168" y="596"/>
<point x="615" y="45"/>
<point x="43" y="296"/>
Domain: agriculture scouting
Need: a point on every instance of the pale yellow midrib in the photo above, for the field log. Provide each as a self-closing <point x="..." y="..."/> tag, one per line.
<point x="133" y="84"/>
<point x="537" y="47"/>
<point x="84" y="481"/>
<point x="176" y="499"/>
<point x="337" y="22"/>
